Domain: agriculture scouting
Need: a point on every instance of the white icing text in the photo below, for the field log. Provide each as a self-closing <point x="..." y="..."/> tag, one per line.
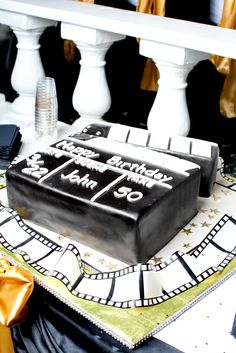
<point x="128" y="193"/>
<point x="34" y="166"/>
<point x="90" y="164"/>
<point x="79" y="151"/>
<point x="84" y="181"/>
<point x="155" y="174"/>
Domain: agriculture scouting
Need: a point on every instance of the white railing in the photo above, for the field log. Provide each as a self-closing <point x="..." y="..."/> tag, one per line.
<point x="175" y="46"/>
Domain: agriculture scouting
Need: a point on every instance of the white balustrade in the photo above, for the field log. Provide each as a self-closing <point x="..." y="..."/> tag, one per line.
<point x="169" y="113"/>
<point x="28" y="66"/>
<point x="91" y="97"/>
<point x="174" y="45"/>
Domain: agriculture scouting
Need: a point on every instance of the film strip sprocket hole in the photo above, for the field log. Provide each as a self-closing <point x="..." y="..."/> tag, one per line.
<point x="148" y="284"/>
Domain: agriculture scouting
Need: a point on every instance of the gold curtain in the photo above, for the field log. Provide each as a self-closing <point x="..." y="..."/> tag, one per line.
<point x="227" y="66"/>
<point x="151" y="74"/>
<point x="16" y="286"/>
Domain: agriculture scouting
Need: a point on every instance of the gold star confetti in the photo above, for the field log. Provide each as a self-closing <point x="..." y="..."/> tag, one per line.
<point x="216" y="198"/>
<point x="225" y="192"/>
<point x="156" y="259"/>
<point x="193" y="224"/>
<point x="60" y="237"/>
<point x="187" y="231"/>
<point x="187" y="246"/>
<point x="102" y="261"/>
<point x="215" y="211"/>
<point x="210" y="216"/>
<point x="202" y="210"/>
<point x="205" y="224"/>
<point x="111" y="267"/>
<point x="87" y="254"/>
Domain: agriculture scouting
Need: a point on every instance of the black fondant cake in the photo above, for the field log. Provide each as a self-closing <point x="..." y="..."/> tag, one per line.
<point x="204" y="153"/>
<point x="123" y="200"/>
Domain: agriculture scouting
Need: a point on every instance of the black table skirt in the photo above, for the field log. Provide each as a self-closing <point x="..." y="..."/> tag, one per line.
<point x="53" y="327"/>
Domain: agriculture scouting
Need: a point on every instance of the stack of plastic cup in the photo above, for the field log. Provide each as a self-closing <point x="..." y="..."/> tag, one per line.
<point x="46" y="109"/>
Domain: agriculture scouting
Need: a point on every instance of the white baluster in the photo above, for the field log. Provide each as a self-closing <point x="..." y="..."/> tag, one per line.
<point x="169" y="114"/>
<point x="28" y="67"/>
<point x="27" y="70"/>
<point x="91" y="97"/>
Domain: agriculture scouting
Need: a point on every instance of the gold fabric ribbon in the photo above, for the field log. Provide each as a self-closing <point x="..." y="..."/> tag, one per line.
<point x="227" y="66"/>
<point x="16" y="286"/>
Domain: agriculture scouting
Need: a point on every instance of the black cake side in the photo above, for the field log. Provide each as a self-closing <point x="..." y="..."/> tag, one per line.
<point x="125" y="201"/>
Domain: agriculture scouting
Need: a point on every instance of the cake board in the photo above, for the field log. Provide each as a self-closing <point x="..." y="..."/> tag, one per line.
<point x="133" y="325"/>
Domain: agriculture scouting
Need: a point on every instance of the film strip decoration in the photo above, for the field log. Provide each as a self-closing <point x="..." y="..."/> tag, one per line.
<point x="28" y="238"/>
<point x="148" y="284"/>
<point x="2" y="180"/>
<point x="225" y="180"/>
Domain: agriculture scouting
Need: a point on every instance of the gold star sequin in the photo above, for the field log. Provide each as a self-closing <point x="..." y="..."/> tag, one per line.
<point x="187" y="231"/>
<point x="205" y="224"/>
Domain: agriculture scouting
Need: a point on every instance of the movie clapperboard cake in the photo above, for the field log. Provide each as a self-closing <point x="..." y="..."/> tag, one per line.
<point x="123" y="200"/>
<point x="204" y="153"/>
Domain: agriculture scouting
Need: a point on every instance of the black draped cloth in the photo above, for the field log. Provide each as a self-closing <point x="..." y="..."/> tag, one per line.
<point x="53" y="327"/>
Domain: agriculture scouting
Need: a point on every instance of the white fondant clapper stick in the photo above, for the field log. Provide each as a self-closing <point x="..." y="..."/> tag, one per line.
<point x="204" y="153"/>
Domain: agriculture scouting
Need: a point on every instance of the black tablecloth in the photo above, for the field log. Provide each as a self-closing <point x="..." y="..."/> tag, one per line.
<point x="52" y="326"/>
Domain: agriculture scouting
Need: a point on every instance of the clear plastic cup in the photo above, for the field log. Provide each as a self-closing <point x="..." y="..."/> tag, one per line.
<point x="46" y="109"/>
